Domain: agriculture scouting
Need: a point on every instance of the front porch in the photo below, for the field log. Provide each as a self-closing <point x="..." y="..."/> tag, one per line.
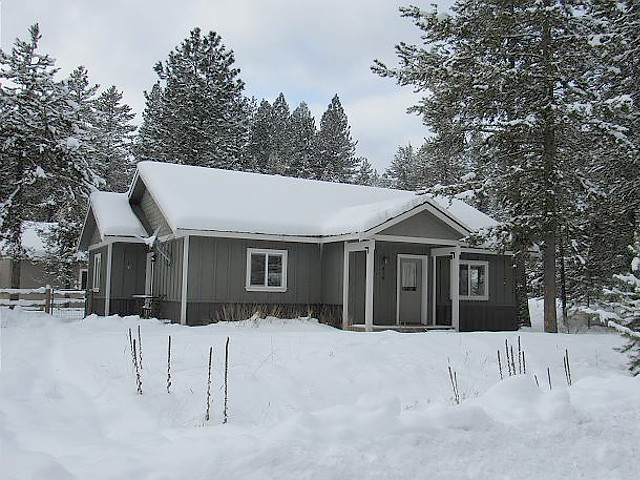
<point x="404" y="286"/>
<point x="403" y="328"/>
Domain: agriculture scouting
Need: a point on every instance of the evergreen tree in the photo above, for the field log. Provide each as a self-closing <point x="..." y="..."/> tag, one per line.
<point x="197" y="115"/>
<point x="148" y="143"/>
<point x="302" y="138"/>
<point x="43" y="134"/>
<point x="624" y="295"/>
<point x="519" y="77"/>
<point x="335" y="150"/>
<point x="112" y="158"/>
<point x="280" y="138"/>
<point x="366" y="175"/>
<point x="260" y="143"/>
<point x="404" y="169"/>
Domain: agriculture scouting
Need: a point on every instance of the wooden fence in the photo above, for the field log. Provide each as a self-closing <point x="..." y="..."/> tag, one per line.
<point x="48" y="300"/>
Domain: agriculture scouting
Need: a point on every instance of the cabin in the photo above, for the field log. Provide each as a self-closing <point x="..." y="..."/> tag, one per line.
<point x="205" y="244"/>
<point x="29" y="271"/>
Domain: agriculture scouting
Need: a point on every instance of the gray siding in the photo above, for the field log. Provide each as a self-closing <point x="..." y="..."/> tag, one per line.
<point x="218" y="266"/>
<point x="357" y="286"/>
<point x="152" y="215"/>
<point x="386" y="287"/>
<point x="497" y="313"/>
<point x="5" y="272"/>
<point x="423" y="224"/>
<point x="167" y="277"/>
<point x="97" y="298"/>
<point x="332" y="257"/>
<point x="128" y="265"/>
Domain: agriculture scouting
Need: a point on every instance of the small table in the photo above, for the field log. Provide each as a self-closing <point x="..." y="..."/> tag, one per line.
<point x="147" y="304"/>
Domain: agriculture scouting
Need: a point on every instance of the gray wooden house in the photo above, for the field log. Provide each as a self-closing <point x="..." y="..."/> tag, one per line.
<point x="204" y="243"/>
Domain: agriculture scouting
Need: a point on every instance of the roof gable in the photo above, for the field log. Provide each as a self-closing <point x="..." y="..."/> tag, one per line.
<point x="111" y="216"/>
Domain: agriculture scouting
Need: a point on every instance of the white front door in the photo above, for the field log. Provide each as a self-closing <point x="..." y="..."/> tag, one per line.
<point x="411" y="289"/>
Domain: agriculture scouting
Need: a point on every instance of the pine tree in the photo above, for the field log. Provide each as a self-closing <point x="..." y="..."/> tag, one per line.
<point x="624" y="297"/>
<point x="112" y="158"/>
<point x="260" y="143"/>
<point x="197" y="115"/>
<point x="280" y="136"/>
<point x="512" y="80"/>
<point x="43" y="133"/>
<point x="335" y="150"/>
<point x="366" y="174"/>
<point x="148" y="144"/>
<point x="404" y="169"/>
<point x="302" y="138"/>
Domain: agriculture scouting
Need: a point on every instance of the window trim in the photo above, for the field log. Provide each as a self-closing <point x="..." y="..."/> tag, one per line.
<point x="284" y="254"/>
<point x="80" y="272"/>
<point x="468" y="263"/>
<point x="96" y="277"/>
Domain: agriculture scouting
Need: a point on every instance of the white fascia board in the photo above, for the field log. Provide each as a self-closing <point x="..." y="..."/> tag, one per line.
<point x="264" y="236"/>
<point x="417" y="240"/>
<point x="435" y="210"/>
<point x="485" y="251"/>
<point x="110" y="239"/>
<point x="134" y="180"/>
<point x="84" y="225"/>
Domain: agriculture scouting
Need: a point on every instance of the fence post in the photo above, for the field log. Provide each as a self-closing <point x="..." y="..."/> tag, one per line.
<point x="47" y="300"/>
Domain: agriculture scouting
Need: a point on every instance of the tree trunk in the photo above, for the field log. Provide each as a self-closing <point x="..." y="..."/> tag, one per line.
<point x="549" y="259"/>
<point x="563" y="283"/>
<point x="522" y="301"/>
<point x="15" y="273"/>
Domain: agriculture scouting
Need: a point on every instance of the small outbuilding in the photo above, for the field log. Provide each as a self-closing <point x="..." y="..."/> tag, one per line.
<point x="206" y="244"/>
<point x="29" y="270"/>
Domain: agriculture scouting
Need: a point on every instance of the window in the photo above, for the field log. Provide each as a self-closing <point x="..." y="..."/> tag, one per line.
<point x="474" y="283"/>
<point x="266" y="270"/>
<point x="82" y="281"/>
<point x="409" y="276"/>
<point x="97" y="271"/>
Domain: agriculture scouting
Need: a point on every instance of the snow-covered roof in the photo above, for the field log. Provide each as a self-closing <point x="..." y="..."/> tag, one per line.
<point x="208" y="199"/>
<point x="33" y="238"/>
<point x="114" y="216"/>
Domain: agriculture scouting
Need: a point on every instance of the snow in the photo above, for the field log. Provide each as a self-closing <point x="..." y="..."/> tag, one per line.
<point x="33" y="238"/>
<point x="114" y="215"/>
<point x="308" y="402"/>
<point x="198" y="198"/>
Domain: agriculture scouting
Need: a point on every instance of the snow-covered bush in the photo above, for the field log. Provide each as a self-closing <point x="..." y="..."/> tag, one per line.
<point x="624" y="295"/>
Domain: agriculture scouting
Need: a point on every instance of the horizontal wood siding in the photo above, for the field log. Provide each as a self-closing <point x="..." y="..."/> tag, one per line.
<point x="167" y="277"/>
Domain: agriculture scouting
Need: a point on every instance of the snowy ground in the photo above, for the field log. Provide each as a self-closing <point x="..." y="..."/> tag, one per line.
<point x="309" y="402"/>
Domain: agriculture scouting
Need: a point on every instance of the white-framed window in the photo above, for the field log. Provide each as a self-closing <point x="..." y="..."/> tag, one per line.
<point x="97" y="271"/>
<point x="266" y="270"/>
<point x="474" y="280"/>
<point x="83" y="276"/>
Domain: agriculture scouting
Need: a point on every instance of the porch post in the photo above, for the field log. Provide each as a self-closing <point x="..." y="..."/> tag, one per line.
<point x="185" y="275"/>
<point x="370" y="271"/>
<point x="345" y="288"/>
<point x="107" y="288"/>
<point x="455" y="288"/>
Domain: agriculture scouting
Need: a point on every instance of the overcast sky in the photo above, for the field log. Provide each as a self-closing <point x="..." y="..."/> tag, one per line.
<point x="307" y="49"/>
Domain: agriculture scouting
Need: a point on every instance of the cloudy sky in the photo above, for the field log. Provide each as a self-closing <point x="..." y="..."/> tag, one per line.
<point x="307" y="49"/>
